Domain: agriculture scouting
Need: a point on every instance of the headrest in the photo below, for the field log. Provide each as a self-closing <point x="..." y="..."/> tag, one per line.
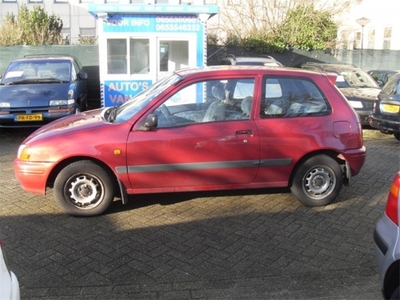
<point x="218" y="91"/>
<point x="246" y="105"/>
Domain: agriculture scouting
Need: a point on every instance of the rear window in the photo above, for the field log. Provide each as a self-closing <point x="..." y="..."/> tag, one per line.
<point x="292" y="97"/>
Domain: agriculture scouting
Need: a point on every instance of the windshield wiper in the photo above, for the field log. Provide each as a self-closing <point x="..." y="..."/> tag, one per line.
<point x="50" y="79"/>
<point x="22" y="81"/>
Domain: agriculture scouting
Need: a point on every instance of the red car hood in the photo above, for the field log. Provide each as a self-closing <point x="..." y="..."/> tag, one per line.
<point x="89" y="120"/>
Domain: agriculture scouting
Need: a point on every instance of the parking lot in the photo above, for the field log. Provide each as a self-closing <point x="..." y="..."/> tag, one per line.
<point x="260" y="244"/>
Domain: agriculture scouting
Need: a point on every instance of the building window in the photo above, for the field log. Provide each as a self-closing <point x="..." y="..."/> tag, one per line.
<point x="60" y="1"/>
<point x="87" y="31"/>
<point x="387" y="37"/>
<point x="35" y="1"/>
<point x="10" y="1"/>
<point x="371" y="39"/>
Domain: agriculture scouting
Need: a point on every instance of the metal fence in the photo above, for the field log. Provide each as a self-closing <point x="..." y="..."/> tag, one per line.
<point x="89" y="57"/>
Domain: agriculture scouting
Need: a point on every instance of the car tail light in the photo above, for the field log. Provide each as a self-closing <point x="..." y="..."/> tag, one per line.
<point x="392" y="206"/>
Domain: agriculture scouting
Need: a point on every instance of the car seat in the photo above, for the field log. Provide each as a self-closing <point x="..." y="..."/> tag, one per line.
<point x="216" y="110"/>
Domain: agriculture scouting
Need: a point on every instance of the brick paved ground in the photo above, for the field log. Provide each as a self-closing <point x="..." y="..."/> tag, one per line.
<point x="233" y="245"/>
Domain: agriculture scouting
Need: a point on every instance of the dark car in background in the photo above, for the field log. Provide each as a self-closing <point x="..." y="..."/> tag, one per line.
<point x="386" y="113"/>
<point x="382" y="76"/>
<point x="387" y="243"/>
<point x="267" y="60"/>
<point x="360" y="89"/>
<point x="38" y="89"/>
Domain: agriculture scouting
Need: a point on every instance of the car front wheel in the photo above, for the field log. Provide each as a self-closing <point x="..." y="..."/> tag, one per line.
<point x="317" y="181"/>
<point x="83" y="188"/>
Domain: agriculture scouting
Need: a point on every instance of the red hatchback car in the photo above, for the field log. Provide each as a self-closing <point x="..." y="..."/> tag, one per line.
<point x="213" y="128"/>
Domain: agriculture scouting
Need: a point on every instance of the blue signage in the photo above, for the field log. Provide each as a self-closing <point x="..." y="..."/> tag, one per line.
<point x="97" y="9"/>
<point x="116" y="92"/>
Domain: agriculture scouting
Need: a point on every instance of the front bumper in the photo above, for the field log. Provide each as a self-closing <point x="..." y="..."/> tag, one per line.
<point x="384" y="125"/>
<point x="32" y="119"/>
<point x="32" y="176"/>
<point x="364" y="116"/>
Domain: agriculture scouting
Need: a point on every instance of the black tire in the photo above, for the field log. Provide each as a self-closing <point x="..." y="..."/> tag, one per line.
<point x="397" y="135"/>
<point x="317" y="181"/>
<point x="83" y="188"/>
<point x="396" y="294"/>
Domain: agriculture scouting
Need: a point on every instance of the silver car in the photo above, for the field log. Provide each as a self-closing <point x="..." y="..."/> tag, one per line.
<point x="9" y="285"/>
<point x="387" y="243"/>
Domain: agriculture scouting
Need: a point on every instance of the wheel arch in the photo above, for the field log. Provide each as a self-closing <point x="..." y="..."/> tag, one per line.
<point x="331" y="153"/>
<point x="392" y="279"/>
<point x="62" y="164"/>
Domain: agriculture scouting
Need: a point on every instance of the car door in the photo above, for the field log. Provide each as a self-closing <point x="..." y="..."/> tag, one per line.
<point x="187" y="151"/>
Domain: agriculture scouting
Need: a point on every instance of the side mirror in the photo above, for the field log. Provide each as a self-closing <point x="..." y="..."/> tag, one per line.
<point x="149" y="123"/>
<point x="380" y="83"/>
<point x="82" y="75"/>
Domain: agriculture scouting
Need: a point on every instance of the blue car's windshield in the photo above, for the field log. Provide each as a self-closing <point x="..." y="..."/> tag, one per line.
<point x="38" y="71"/>
<point x="127" y="110"/>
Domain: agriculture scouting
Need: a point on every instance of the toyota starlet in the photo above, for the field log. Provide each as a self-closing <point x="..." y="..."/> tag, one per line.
<point x="201" y="129"/>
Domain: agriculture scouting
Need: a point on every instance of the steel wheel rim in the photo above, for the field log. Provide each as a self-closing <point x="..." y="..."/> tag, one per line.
<point x="84" y="191"/>
<point x="319" y="182"/>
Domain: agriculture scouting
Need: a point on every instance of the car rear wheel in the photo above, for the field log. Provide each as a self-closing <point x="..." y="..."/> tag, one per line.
<point x="397" y="135"/>
<point x="317" y="181"/>
<point x="83" y="188"/>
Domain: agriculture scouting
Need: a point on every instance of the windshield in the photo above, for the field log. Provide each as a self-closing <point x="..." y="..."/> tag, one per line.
<point x="130" y="108"/>
<point x="355" y="78"/>
<point x="37" y="71"/>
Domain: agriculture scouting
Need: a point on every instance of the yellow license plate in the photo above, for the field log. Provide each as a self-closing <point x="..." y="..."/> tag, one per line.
<point x="28" y="118"/>
<point x="391" y="108"/>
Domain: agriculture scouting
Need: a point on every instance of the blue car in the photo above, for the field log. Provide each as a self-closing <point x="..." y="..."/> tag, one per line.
<point x="36" y="90"/>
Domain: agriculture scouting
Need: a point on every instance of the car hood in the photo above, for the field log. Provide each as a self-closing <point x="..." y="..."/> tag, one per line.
<point x="361" y="93"/>
<point x="89" y="120"/>
<point x="23" y="95"/>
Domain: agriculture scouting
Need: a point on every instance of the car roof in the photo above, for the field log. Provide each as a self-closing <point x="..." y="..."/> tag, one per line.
<point x="46" y="57"/>
<point x="384" y="71"/>
<point x="328" y="66"/>
<point x="249" y="60"/>
<point x="249" y="69"/>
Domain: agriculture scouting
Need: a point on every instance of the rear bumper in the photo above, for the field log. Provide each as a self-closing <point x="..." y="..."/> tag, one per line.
<point x="387" y="253"/>
<point x="355" y="159"/>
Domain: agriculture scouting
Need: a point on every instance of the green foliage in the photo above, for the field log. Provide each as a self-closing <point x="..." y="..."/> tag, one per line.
<point x="87" y="40"/>
<point x="264" y="45"/>
<point x="302" y="28"/>
<point x="34" y="27"/>
<point x="308" y="29"/>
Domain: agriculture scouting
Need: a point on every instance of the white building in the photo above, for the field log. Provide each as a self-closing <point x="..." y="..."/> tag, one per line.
<point x="381" y="31"/>
<point x="374" y="22"/>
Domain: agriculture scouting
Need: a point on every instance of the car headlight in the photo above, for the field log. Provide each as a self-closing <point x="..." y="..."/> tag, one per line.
<point x="24" y="152"/>
<point x="61" y="102"/>
<point x="356" y="104"/>
<point x="71" y="94"/>
<point x="4" y="104"/>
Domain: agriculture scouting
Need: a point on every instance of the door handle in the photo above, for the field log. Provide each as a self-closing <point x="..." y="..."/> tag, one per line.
<point x="247" y="132"/>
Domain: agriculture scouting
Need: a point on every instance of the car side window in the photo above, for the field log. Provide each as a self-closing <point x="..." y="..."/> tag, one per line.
<point x="207" y="101"/>
<point x="292" y="97"/>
